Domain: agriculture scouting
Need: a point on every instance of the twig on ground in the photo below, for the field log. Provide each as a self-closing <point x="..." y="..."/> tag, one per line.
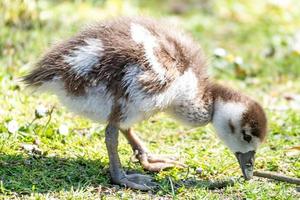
<point x="277" y="177"/>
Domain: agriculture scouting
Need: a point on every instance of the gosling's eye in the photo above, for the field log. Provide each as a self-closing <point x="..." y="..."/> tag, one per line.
<point x="255" y="132"/>
<point x="246" y="137"/>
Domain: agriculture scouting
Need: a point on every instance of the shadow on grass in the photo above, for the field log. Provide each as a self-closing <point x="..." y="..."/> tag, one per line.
<point x="205" y="184"/>
<point x="24" y="174"/>
<point x="27" y="174"/>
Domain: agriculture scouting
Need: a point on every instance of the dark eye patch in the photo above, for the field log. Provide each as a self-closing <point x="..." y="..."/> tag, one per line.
<point x="255" y="132"/>
<point x="246" y="137"/>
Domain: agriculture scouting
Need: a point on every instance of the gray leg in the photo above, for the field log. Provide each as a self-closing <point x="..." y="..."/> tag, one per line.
<point x="118" y="176"/>
<point x="149" y="161"/>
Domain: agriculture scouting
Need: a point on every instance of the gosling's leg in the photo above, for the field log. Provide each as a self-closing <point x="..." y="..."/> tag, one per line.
<point x="118" y="176"/>
<point x="149" y="161"/>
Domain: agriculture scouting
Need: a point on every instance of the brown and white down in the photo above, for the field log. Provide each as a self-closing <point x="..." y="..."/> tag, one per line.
<point x="123" y="71"/>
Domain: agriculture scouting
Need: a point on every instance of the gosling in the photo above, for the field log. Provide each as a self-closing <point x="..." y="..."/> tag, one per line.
<point x="123" y="71"/>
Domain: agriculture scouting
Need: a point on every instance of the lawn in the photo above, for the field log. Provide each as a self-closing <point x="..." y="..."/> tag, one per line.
<point x="47" y="152"/>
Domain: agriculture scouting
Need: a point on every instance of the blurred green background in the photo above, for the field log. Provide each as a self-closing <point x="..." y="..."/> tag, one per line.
<point x="253" y="46"/>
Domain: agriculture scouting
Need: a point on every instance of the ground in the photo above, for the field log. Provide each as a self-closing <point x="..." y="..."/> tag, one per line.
<point x="48" y="153"/>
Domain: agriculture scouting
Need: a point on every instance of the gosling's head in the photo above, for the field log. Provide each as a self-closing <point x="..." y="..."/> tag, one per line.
<point x="241" y="123"/>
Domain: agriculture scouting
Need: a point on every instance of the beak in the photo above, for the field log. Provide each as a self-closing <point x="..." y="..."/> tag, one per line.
<point x="246" y="161"/>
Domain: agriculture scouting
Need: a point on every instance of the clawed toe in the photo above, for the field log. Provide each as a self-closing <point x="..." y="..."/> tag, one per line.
<point x="158" y="157"/>
<point x="163" y="159"/>
<point x="139" y="178"/>
<point x="139" y="182"/>
<point x="157" y="163"/>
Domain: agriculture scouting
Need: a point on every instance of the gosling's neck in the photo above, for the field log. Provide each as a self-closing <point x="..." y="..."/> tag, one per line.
<point x="202" y="109"/>
<point x="194" y="111"/>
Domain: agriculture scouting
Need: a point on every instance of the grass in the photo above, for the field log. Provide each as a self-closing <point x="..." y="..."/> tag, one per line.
<point x="66" y="156"/>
